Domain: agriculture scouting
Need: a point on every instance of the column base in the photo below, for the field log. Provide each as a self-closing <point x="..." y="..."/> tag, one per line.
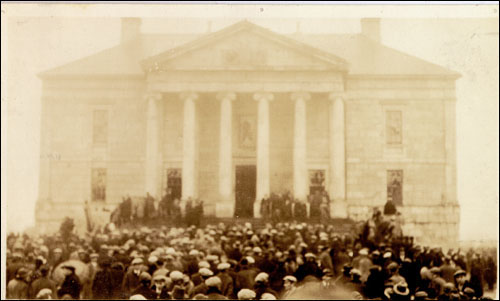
<point x="338" y="209"/>
<point x="224" y="209"/>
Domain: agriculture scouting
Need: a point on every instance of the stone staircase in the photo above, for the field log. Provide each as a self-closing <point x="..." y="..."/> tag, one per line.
<point x="340" y="225"/>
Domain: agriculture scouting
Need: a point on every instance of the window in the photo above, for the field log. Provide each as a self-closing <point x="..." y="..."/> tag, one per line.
<point x="316" y="180"/>
<point x="98" y="184"/>
<point x="395" y="186"/>
<point x="100" y="127"/>
<point x="393" y="122"/>
<point x="247" y="131"/>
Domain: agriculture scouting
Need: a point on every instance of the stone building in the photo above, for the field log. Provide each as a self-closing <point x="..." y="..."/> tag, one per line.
<point x="233" y="115"/>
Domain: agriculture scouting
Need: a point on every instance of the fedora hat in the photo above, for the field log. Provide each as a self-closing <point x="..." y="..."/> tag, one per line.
<point x="401" y="289"/>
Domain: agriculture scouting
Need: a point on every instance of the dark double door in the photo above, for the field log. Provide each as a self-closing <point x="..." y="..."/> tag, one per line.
<point x="174" y="183"/>
<point x="245" y="187"/>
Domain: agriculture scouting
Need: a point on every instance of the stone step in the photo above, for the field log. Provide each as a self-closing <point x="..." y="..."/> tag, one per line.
<point x="340" y="225"/>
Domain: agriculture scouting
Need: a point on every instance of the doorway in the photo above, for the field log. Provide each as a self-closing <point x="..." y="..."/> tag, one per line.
<point x="174" y="183"/>
<point x="245" y="187"/>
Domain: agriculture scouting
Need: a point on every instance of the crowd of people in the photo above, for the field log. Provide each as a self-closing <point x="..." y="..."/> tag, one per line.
<point x="277" y="207"/>
<point x="137" y="211"/>
<point x="287" y="260"/>
<point x="284" y="207"/>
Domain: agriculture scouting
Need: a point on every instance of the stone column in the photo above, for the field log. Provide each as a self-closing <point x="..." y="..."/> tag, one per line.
<point x="189" y="145"/>
<point x="152" y="155"/>
<point x="337" y="157"/>
<point x="225" y="206"/>
<point x="300" y="179"/>
<point x="263" y="174"/>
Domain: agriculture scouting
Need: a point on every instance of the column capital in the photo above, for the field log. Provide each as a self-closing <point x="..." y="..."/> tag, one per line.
<point x="188" y="96"/>
<point x="154" y="95"/>
<point x="263" y="96"/>
<point x="300" y="96"/>
<point x="226" y="96"/>
<point x="337" y="95"/>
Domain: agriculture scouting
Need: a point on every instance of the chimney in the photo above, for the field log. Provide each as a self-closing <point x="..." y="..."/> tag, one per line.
<point x="370" y="27"/>
<point x="131" y="29"/>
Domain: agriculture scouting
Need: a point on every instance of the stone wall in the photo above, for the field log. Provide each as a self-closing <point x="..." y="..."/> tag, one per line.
<point x="68" y="153"/>
<point x="421" y="156"/>
<point x="426" y="155"/>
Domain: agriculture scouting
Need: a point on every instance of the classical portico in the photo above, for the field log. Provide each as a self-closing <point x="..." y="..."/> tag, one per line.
<point x="222" y="67"/>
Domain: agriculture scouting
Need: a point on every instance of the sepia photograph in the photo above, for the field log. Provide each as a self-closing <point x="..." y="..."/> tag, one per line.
<point x="250" y="151"/>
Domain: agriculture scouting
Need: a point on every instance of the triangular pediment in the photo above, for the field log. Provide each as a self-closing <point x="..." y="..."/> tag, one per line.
<point x="244" y="46"/>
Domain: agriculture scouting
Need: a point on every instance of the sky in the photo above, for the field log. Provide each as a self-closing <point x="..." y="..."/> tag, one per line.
<point x="40" y="39"/>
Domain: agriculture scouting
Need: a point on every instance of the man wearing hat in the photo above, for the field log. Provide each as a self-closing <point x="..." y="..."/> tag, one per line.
<point x="93" y="266"/>
<point x="102" y="284"/>
<point x="192" y="262"/>
<point x="160" y="286"/>
<point x="461" y="282"/>
<point x="245" y="277"/>
<point x="39" y="262"/>
<point x="14" y="264"/>
<point x="345" y="277"/>
<point x="196" y="277"/>
<point x="17" y="288"/>
<point x="42" y="283"/>
<point x="56" y="258"/>
<point x="363" y="263"/>
<point x="213" y="260"/>
<point x="71" y="284"/>
<point x="83" y="255"/>
<point x="246" y="294"/>
<point x="374" y="285"/>
<point x="152" y="264"/>
<point x="437" y="284"/>
<point x="227" y="283"/>
<point x="214" y="284"/>
<point x="144" y="287"/>
<point x="325" y="258"/>
<point x="131" y="279"/>
<point x="355" y="285"/>
<point x="261" y="285"/>
<point x="117" y="275"/>
<point x="202" y="288"/>
<point x="393" y="274"/>
<point x="289" y="286"/>
<point x="178" y="288"/>
<point x="308" y="268"/>
<point x="340" y="258"/>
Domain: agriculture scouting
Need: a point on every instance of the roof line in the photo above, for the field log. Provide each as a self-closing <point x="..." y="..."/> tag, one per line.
<point x="237" y="27"/>
<point x="91" y="76"/>
<point x="404" y="76"/>
<point x="44" y="74"/>
<point x="452" y="72"/>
